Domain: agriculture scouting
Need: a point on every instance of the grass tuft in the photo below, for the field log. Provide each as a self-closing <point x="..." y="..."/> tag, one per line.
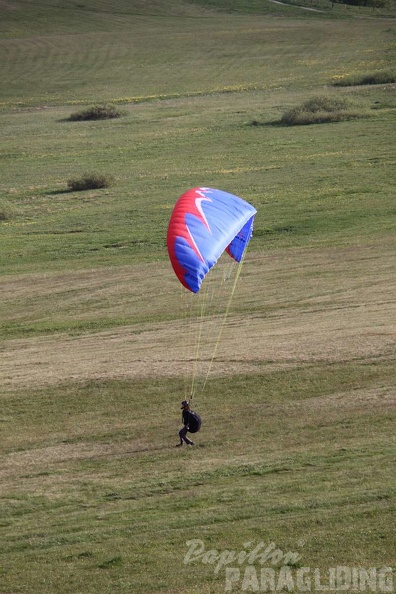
<point x="97" y="112"/>
<point x="92" y="181"/>
<point x="113" y="562"/>
<point x="5" y="212"/>
<point x="376" y="78"/>
<point x="322" y="109"/>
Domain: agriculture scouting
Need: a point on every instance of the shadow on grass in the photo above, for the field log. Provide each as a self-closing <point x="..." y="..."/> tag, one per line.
<point x="55" y="192"/>
<point x="271" y="124"/>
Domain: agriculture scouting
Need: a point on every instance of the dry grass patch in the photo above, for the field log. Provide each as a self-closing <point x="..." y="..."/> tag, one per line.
<point x="281" y="317"/>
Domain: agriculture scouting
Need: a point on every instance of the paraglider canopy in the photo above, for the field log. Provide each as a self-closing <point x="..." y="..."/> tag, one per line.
<point x="204" y="223"/>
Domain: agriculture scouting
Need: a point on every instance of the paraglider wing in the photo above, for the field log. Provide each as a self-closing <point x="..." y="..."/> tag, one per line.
<point x="238" y="245"/>
<point x="204" y="223"/>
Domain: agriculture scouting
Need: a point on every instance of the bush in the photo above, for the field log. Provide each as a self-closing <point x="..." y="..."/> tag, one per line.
<point x="377" y="78"/>
<point x="321" y="110"/>
<point x="90" y="182"/>
<point x="97" y="112"/>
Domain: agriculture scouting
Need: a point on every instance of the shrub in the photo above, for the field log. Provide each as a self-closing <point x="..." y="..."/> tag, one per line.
<point x="90" y="182"/>
<point x="321" y="110"/>
<point x="377" y="78"/>
<point x="97" y="112"/>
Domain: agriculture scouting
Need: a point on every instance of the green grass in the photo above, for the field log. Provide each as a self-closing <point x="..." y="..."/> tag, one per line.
<point x="267" y="165"/>
<point x="297" y="441"/>
<point x="97" y="502"/>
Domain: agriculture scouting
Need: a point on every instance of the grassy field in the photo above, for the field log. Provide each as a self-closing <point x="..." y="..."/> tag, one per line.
<point x="297" y="446"/>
